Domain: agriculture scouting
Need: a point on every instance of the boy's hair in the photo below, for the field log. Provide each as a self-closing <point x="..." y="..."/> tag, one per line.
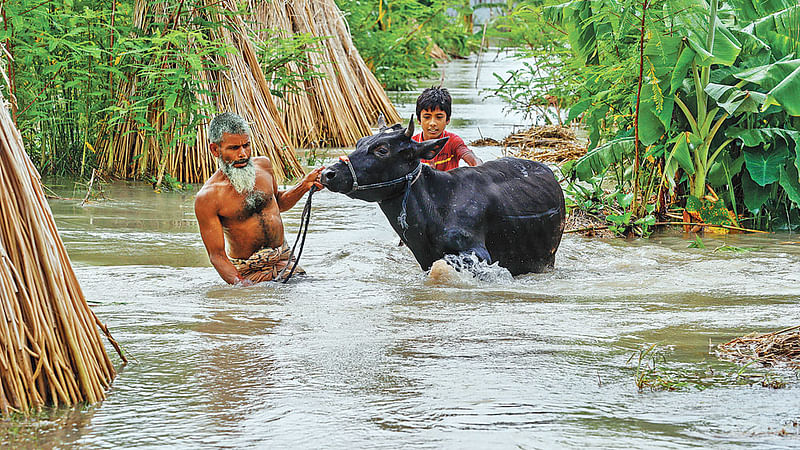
<point x="226" y="122"/>
<point x="432" y="98"/>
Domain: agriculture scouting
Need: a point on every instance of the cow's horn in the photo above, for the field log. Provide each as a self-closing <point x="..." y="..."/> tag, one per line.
<point x="410" y="129"/>
<point x="381" y="122"/>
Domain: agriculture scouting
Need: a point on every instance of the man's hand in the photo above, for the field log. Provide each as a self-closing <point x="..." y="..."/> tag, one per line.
<point x="244" y="282"/>
<point x="313" y="179"/>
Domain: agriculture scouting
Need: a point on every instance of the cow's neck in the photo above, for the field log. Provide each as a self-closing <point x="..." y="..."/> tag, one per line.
<point x="418" y="211"/>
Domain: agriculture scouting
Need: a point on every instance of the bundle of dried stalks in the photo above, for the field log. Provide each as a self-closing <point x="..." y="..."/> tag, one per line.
<point x="50" y="350"/>
<point x="336" y="110"/>
<point x="550" y="143"/>
<point x="242" y="89"/>
<point x="339" y="108"/>
<point x="769" y="349"/>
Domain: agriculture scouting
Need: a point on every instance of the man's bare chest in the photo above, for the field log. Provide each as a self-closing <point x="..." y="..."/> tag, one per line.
<point x="246" y="206"/>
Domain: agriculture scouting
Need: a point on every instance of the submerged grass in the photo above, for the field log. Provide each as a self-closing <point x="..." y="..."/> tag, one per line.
<point x="654" y="373"/>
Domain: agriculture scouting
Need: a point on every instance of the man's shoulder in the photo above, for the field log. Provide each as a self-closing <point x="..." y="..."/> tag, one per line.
<point x="212" y="186"/>
<point x="262" y="161"/>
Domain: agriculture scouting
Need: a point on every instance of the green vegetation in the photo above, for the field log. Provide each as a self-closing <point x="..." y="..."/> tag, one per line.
<point x="678" y="96"/>
<point x="67" y="63"/>
<point x="654" y="373"/>
<point x="395" y="37"/>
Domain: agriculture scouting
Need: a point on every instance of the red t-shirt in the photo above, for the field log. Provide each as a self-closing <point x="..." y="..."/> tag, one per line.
<point x="451" y="154"/>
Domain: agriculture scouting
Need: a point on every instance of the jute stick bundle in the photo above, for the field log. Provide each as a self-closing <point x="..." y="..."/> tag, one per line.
<point x="50" y="350"/>
<point x="341" y="107"/>
<point x="334" y="111"/>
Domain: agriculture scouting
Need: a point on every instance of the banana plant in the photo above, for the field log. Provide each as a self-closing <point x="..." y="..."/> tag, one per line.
<point x="694" y="150"/>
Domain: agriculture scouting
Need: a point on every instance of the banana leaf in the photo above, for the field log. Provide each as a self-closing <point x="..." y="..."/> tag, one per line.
<point x="752" y="10"/>
<point x="770" y="75"/>
<point x="602" y="157"/>
<point x="779" y="30"/>
<point x="785" y="94"/>
<point x="691" y="17"/>
<point x="734" y="100"/>
<point x="681" y="154"/>
<point x="681" y="67"/>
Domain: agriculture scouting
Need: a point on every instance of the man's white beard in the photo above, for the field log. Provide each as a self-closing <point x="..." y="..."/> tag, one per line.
<point x="243" y="179"/>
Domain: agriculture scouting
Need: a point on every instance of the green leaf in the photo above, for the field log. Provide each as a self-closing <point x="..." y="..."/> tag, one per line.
<point x="765" y="166"/>
<point x="716" y="175"/>
<point x="734" y="100"/>
<point x="778" y="29"/>
<point x="758" y="137"/>
<point x="770" y="75"/>
<point x="170" y="103"/>
<point x="599" y="159"/>
<point x="691" y="17"/>
<point x="681" y="67"/>
<point x="754" y="195"/>
<point x="697" y="243"/>
<point x="625" y="200"/>
<point x="790" y="183"/>
<point x="785" y="94"/>
<point x="577" y="109"/>
<point x="681" y="154"/>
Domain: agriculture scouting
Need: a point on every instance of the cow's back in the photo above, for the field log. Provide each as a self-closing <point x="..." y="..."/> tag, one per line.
<point x="524" y="211"/>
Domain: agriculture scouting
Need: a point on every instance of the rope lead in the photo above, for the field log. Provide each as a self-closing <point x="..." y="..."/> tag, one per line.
<point x="305" y="218"/>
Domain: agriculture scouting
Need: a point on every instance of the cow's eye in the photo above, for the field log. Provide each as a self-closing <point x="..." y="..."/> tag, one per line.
<point x="381" y="151"/>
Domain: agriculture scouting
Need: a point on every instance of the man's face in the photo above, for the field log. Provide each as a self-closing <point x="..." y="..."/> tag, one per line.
<point x="233" y="155"/>
<point x="433" y="122"/>
<point x="234" y="149"/>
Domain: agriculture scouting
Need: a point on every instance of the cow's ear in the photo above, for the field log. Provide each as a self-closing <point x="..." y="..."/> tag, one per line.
<point x="429" y="149"/>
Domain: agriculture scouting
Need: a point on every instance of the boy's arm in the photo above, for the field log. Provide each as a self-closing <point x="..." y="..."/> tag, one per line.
<point x="463" y="152"/>
<point x="470" y="158"/>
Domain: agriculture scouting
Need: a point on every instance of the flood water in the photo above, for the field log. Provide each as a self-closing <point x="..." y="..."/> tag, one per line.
<point x="366" y="352"/>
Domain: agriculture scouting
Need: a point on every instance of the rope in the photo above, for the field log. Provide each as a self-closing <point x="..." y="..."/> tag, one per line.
<point x="305" y="218"/>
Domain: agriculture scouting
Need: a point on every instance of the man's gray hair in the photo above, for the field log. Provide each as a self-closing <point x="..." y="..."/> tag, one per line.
<point x="226" y="122"/>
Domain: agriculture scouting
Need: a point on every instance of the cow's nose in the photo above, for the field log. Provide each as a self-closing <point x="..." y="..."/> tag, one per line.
<point x="327" y="175"/>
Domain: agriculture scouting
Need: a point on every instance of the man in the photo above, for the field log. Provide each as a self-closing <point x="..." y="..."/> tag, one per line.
<point x="241" y="204"/>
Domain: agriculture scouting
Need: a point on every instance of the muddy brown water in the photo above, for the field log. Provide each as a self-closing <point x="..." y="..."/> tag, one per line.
<point x="366" y="352"/>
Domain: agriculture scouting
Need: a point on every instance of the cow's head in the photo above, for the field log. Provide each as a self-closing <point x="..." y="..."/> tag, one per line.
<point x="390" y="154"/>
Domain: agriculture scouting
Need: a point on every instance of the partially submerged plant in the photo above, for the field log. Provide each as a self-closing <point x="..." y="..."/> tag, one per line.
<point x="654" y="373"/>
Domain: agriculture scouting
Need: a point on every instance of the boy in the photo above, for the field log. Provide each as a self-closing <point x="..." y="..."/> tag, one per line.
<point x="433" y="114"/>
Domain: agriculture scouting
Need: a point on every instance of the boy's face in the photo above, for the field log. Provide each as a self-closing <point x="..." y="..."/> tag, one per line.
<point x="433" y="122"/>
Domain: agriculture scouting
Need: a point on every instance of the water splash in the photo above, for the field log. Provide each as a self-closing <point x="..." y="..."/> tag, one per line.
<point x="457" y="269"/>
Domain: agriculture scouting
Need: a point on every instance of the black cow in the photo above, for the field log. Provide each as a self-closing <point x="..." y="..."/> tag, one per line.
<point x="510" y="211"/>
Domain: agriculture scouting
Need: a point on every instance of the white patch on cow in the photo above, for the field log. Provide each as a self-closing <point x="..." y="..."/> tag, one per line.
<point x="442" y="273"/>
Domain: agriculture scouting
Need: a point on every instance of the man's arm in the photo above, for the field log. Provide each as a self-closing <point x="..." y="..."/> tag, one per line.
<point x="287" y="199"/>
<point x="214" y="238"/>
